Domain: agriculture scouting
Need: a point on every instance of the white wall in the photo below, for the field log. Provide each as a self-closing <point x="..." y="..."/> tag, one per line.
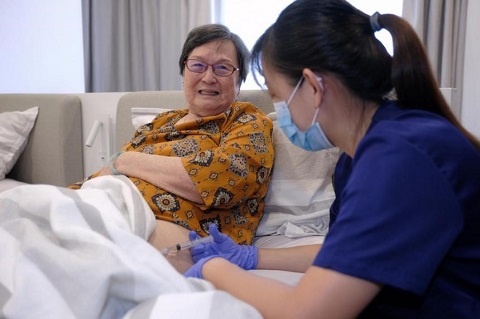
<point x="100" y="107"/>
<point x="41" y="46"/>
<point x="470" y="112"/>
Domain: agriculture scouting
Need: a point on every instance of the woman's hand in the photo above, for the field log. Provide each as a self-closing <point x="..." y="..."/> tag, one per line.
<point x="196" y="270"/>
<point x="223" y="246"/>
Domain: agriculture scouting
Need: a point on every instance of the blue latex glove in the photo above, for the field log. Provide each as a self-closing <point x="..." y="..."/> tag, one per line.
<point x="196" y="269"/>
<point x="243" y="256"/>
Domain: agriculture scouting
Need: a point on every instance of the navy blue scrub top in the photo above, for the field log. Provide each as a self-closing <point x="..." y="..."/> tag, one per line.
<point x="407" y="216"/>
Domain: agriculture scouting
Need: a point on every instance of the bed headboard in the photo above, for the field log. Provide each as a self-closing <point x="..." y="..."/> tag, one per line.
<point x="124" y="129"/>
<point x="54" y="153"/>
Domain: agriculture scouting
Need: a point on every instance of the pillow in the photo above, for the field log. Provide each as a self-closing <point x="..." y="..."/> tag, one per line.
<point x="15" y="128"/>
<point x="300" y="192"/>
<point x="144" y="115"/>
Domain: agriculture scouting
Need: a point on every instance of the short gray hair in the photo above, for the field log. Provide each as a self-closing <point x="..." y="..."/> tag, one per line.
<point x="215" y="32"/>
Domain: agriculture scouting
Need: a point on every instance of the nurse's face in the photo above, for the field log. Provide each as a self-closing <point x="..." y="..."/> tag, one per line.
<point x="281" y="89"/>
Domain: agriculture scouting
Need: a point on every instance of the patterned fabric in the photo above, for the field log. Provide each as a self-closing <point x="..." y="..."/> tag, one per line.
<point x="228" y="156"/>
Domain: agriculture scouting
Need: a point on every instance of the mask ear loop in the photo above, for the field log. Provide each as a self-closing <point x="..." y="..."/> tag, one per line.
<point x="295" y="90"/>
<point x="315" y="116"/>
<point x="320" y="82"/>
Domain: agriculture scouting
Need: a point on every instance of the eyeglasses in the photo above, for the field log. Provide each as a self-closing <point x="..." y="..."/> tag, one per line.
<point x="220" y="69"/>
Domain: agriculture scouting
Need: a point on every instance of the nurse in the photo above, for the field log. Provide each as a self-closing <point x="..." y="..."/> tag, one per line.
<point x="404" y="239"/>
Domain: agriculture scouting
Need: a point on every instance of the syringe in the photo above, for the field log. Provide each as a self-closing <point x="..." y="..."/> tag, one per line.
<point x="186" y="245"/>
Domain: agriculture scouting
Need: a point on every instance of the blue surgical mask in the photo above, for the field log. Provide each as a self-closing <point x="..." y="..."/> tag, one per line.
<point x="313" y="139"/>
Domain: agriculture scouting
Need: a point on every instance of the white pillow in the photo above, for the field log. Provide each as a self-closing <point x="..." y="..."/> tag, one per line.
<point x="15" y="128"/>
<point x="300" y="192"/>
<point x="144" y="115"/>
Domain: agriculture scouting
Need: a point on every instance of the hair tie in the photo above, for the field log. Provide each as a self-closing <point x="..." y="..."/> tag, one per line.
<point x="374" y="22"/>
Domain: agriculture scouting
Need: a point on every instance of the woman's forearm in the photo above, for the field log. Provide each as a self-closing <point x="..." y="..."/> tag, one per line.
<point x="165" y="172"/>
<point x="297" y="258"/>
<point x="336" y="295"/>
<point x="260" y="292"/>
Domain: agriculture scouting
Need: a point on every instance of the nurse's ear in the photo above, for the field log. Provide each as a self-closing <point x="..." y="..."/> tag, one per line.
<point x="316" y="83"/>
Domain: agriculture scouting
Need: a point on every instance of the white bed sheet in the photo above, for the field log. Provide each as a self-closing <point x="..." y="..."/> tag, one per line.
<point x="84" y="254"/>
<point x="8" y="183"/>
<point x="164" y="302"/>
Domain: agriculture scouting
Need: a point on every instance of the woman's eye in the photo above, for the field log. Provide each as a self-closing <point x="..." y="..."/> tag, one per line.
<point x="221" y="67"/>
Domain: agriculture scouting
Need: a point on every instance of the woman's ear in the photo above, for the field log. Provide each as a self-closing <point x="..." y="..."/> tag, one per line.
<point x="316" y="82"/>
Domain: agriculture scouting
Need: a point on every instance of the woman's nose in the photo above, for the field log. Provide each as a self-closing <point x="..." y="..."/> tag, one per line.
<point x="209" y="76"/>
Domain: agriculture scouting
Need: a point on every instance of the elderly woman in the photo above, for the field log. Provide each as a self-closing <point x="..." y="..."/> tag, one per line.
<point x="209" y="163"/>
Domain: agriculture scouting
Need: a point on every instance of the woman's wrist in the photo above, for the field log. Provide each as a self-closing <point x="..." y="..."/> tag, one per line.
<point x="111" y="166"/>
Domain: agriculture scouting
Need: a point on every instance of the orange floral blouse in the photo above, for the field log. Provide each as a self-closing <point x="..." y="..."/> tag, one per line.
<point x="228" y="156"/>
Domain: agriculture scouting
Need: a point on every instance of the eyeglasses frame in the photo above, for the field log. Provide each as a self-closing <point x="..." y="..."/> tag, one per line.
<point x="212" y="65"/>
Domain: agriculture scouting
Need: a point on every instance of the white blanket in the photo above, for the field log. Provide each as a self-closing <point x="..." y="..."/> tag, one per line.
<point x="83" y="254"/>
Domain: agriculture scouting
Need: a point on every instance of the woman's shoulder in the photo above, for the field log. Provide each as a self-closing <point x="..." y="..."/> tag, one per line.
<point x="248" y="108"/>
<point x="168" y="115"/>
<point x="421" y="134"/>
<point x="248" y="117"/>
<point x="416" y="127"/>
<point x="411" y="138"/>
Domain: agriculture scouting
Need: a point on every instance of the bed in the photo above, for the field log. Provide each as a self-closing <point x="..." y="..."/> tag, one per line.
<point x="83" y="253"/>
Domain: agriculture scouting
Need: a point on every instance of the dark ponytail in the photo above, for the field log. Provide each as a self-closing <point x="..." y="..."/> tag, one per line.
<point x="332" y="36"/>
<point x="412" y="76"/>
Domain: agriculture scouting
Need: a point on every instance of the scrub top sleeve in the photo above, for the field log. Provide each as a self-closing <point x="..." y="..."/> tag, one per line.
<point x="397" y="219"/>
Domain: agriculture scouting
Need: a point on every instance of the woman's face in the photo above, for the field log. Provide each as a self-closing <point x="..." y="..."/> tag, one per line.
<point x="208" y="93"/>
<point x="280" y="89"/>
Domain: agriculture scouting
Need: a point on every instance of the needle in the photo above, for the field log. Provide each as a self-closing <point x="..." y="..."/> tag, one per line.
<point x="186" y="245"/>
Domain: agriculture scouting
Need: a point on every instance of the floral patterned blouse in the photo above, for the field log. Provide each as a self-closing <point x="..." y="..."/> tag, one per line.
<point x="228" y="156"/>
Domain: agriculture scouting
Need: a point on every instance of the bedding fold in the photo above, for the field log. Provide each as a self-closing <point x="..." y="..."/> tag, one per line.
<point x="84" y="254"/>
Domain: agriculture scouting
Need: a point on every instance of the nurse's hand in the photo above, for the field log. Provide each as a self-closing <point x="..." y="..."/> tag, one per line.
<point x="243" y="256"/>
